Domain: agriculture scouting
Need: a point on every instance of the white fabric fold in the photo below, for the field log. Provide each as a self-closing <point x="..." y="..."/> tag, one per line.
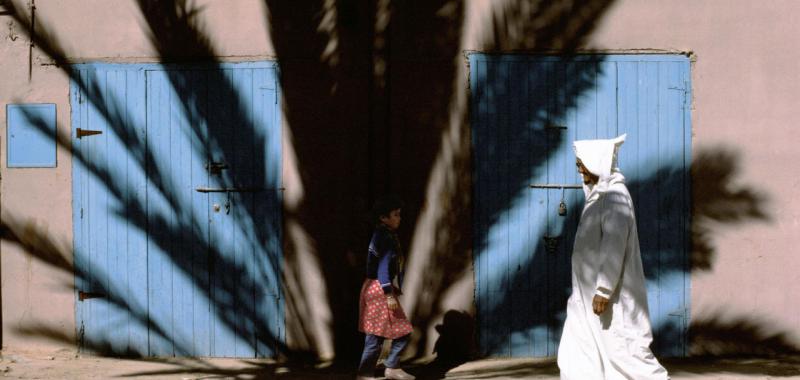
<point x="600" y="158"/>
<point x="606" y="261"/>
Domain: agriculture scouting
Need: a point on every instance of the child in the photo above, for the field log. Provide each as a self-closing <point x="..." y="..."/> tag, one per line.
<point x="380" y="315"/>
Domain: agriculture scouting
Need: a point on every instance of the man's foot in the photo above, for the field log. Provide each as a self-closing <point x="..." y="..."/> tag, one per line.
<point x="398" y="374"/>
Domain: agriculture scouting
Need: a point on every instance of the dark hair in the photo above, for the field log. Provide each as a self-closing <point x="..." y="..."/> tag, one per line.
<point x="385" y="205"/>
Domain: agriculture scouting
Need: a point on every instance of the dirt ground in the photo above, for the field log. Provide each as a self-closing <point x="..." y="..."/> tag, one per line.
<point x="66" y="364"/>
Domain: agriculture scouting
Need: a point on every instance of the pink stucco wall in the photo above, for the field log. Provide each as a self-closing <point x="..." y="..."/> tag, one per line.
<point x="35" y="203"/>
<point x="745" y="90"/>
<point x="745" y="99"/>
<point x="37" y="296"/>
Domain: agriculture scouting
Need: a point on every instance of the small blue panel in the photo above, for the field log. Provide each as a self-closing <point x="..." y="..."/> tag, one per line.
<point x="31" y="135"/>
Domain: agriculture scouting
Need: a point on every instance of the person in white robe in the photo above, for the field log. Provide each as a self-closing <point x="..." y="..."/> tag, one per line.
<point x="607" y="333"/>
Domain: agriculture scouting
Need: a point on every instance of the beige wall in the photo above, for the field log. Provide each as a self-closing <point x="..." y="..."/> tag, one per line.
<point x="35" y="294"/>
<point x="745" y="90"/>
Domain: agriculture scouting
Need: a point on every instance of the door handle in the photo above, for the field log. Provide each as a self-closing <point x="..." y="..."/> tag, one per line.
<point x="554" y="186"/>
<point x="229" y="189"/>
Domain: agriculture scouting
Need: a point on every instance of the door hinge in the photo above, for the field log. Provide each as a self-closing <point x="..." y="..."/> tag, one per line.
<point x="87" y="132"/>
<point x="81" y="333"/>
<point x="87" y="295"/>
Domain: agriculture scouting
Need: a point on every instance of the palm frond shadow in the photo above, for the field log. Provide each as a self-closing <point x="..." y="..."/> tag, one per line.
<point x="183" y="41"/>
<point x="340" y="111"/>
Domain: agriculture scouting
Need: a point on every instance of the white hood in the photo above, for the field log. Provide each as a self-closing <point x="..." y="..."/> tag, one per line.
<point x="600" y="158"/>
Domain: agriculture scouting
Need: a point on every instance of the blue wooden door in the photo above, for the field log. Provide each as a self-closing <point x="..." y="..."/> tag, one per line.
<point x="526" y="112"/>
<point x="178" y="209"/>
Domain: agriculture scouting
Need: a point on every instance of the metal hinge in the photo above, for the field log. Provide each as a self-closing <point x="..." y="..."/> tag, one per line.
<point x="87" y="295"/>
<point x="87" y="132"/>
<point x="81" y="335"/>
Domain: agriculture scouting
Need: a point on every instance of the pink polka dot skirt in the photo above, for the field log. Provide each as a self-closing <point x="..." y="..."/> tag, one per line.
<point x="375" y="317"/>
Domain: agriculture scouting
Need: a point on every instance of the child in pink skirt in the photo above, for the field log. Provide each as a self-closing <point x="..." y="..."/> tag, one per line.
<point x="381" y="316"/>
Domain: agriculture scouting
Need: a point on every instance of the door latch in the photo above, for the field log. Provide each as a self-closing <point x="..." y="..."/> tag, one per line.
<point x="551" y="243"/>
<point x="216" y="168"/>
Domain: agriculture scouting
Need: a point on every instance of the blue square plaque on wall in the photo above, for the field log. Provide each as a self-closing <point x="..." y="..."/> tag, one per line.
<point x="31" y="135"/>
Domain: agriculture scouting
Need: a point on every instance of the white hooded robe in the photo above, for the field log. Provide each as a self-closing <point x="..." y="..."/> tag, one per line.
<point x="606" y="261"/>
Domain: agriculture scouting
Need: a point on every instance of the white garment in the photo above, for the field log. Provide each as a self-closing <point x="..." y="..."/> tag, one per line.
<point x="606" y="261"/>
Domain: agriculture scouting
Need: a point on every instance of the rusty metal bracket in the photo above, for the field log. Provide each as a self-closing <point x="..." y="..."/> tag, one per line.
<point x="216" y="168"/>
<point x="87" y="295"/>
<point x="554" y="186"/>
<point x="551" y="243"/>
<point x="87" y="132"/>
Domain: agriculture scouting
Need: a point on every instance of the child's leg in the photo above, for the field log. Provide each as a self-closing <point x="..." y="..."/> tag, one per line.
<point x="372" y="350"/>
<point x="394" y="354"/>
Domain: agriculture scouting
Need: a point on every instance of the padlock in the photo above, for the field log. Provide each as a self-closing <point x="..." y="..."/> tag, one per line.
<point x="562" y="208"/>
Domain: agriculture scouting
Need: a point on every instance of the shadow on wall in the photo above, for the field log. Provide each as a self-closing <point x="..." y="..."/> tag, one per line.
<point x="719" y="199"/>
<point x="378" y="110"/>
<point x="368" y="96"/>
<point x="724" y="201"/>
<point x="386" y="97"/>
<point x="510" y="26"/>
<point x="176" y="37"/>
<point x="726" y="334"/>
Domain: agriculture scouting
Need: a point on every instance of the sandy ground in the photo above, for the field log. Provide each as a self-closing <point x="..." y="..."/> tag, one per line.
<point x="67" y="364"/>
